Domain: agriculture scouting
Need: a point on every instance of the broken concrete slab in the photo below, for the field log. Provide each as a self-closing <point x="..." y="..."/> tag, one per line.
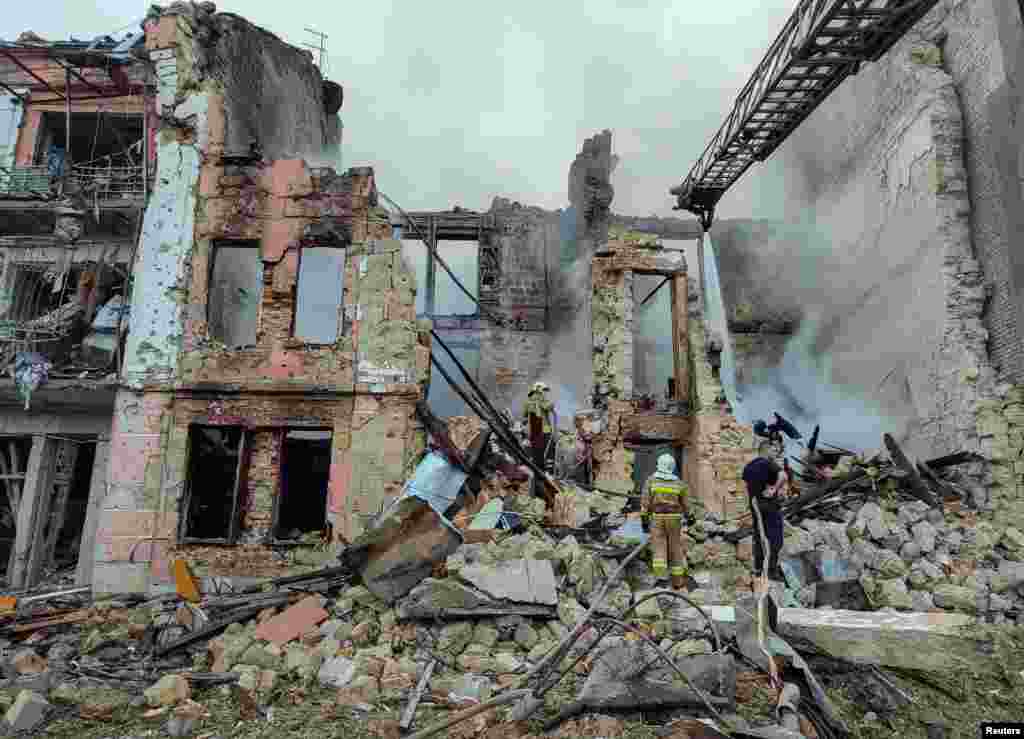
<point x="435" y="598"/>
<point x="28" y="711"/>
<point x="938" y="642"/>
<point x="402" y="549"/>
<point x="517" y="580"/>
<point x="628" y="675"/>
<point x="293" y="622"/>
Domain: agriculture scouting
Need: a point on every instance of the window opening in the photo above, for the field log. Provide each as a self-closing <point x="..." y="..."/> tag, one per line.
<point x="444" y="401"/>
<point x="69" y="541"/>
<point x="214" y="480"/>
<point x="463" y="258"/>
<point x="653" y="358"/>
<point x="13" y="462"/>
<point x="319" y="294"/>
<point x="305" y="470"/>
<point x="236" y="286"/>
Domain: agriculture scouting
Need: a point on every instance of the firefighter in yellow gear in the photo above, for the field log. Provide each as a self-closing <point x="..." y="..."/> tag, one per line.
<point x="664" y="505"/>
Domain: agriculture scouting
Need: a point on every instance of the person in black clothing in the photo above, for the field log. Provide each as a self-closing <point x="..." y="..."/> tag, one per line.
<point x="765" y="482"/>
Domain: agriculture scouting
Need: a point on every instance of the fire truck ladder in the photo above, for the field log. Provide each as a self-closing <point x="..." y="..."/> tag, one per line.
<point x="822" y="43"/>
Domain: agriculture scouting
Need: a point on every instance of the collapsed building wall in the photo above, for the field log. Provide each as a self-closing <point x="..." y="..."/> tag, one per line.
<point x="274" y="336"/>
<point x="898" y="233"/>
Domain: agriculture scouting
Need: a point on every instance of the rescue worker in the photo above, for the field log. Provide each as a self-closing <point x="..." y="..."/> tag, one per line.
<point x="664" y="505"/>
<point x="765" y="481"/>
<point x="539" y="415"/>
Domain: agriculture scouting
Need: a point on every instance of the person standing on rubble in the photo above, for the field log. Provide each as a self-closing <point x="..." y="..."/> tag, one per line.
<point x="664" y="505"/>
<point x="765" y="482"/>
<point x="539" y="415"/>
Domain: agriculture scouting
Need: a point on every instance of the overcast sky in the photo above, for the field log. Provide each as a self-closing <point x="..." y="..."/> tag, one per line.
<point x="453" y="103"/>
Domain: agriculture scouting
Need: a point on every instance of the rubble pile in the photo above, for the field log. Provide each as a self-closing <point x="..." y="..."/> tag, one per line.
<point x="540" y="626"/>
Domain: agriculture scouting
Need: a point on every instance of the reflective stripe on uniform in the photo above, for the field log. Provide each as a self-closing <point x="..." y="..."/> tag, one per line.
<point x="677" y="571"/>
<point x="667" y="516"/>
<point x="668" y="491"/>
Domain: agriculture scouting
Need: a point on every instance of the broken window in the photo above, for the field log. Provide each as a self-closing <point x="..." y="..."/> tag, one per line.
<point x="215" y="476"/>
<point x="653" y="357"/>
<point x="236" y="285"/>
<point x="318" y="299"/>
<point x="462" y="258"/>
<point x="305" y="470"/>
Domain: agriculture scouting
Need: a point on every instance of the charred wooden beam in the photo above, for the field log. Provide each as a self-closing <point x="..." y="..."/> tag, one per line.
<point x="917" y="487"/>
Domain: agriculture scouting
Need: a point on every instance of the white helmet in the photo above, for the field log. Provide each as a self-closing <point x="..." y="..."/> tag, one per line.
<point x="667" y="464"/>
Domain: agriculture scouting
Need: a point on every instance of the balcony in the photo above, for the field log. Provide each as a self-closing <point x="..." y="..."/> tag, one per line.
<point x="107" y="186"/>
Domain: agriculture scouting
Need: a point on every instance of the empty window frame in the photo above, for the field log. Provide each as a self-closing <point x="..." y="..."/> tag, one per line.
<point x="463" y="258"/>
<point x="301" y="505"/>
<point x="216" y="472"/>
<point x="653" y="356"/>
<point x="443" y="400"/>
<point x="236" y="286"/>
<point x="319" y="294"/>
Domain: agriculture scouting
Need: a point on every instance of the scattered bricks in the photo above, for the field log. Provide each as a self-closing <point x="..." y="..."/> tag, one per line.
<point x="384" y="728"/>
<point x="365" y="633"/>
<point x="261" y="655"/>
<point x="485" y="634"/>
<point x="454" y="637"/>
<point x="27" y="662"/>
<point x="167" y="691"/>
<point x="300" y="618"/>
<point x="28" y="711"/>
<point x="311" y="638"/>
<point x="362" y="689"/>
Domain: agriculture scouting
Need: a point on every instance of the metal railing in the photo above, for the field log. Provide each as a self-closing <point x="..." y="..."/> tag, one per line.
<point x="102" y="182"/>
<point x="822" y="43"/>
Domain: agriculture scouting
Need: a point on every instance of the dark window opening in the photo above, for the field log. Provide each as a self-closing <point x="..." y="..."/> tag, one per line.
<point x="645" y="461"/>
<point x="214" y="480"/>
<point x="305" y="470"/>
<point x="69" y="540"/>
<point x="653" y="356"/>
<point x="236" y="287"/>
<point x="97" y="139"/>
<point x="13" y="462"/>
<point x="319" y="294"/>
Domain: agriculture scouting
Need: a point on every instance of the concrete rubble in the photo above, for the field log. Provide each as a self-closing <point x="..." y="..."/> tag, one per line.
<point x="489" y="614"/>
<point x="447" y="581"/>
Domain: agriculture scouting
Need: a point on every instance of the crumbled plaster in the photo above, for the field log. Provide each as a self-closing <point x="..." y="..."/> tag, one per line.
<point x="152" y="347"/>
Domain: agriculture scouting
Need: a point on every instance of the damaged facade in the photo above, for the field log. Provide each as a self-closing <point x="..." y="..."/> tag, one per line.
<point x="74" y="171"/>
<point x="275" y="359"/>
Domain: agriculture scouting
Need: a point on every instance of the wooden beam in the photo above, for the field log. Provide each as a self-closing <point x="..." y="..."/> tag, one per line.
<point x="917" y="487"/>
<point x="32" y="74"/>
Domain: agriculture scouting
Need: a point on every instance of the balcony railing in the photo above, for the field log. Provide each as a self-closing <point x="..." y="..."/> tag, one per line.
<point x="93" y="182"/>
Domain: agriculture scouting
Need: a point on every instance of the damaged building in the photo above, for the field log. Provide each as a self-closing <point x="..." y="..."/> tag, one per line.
<point x="75" y="168"/>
